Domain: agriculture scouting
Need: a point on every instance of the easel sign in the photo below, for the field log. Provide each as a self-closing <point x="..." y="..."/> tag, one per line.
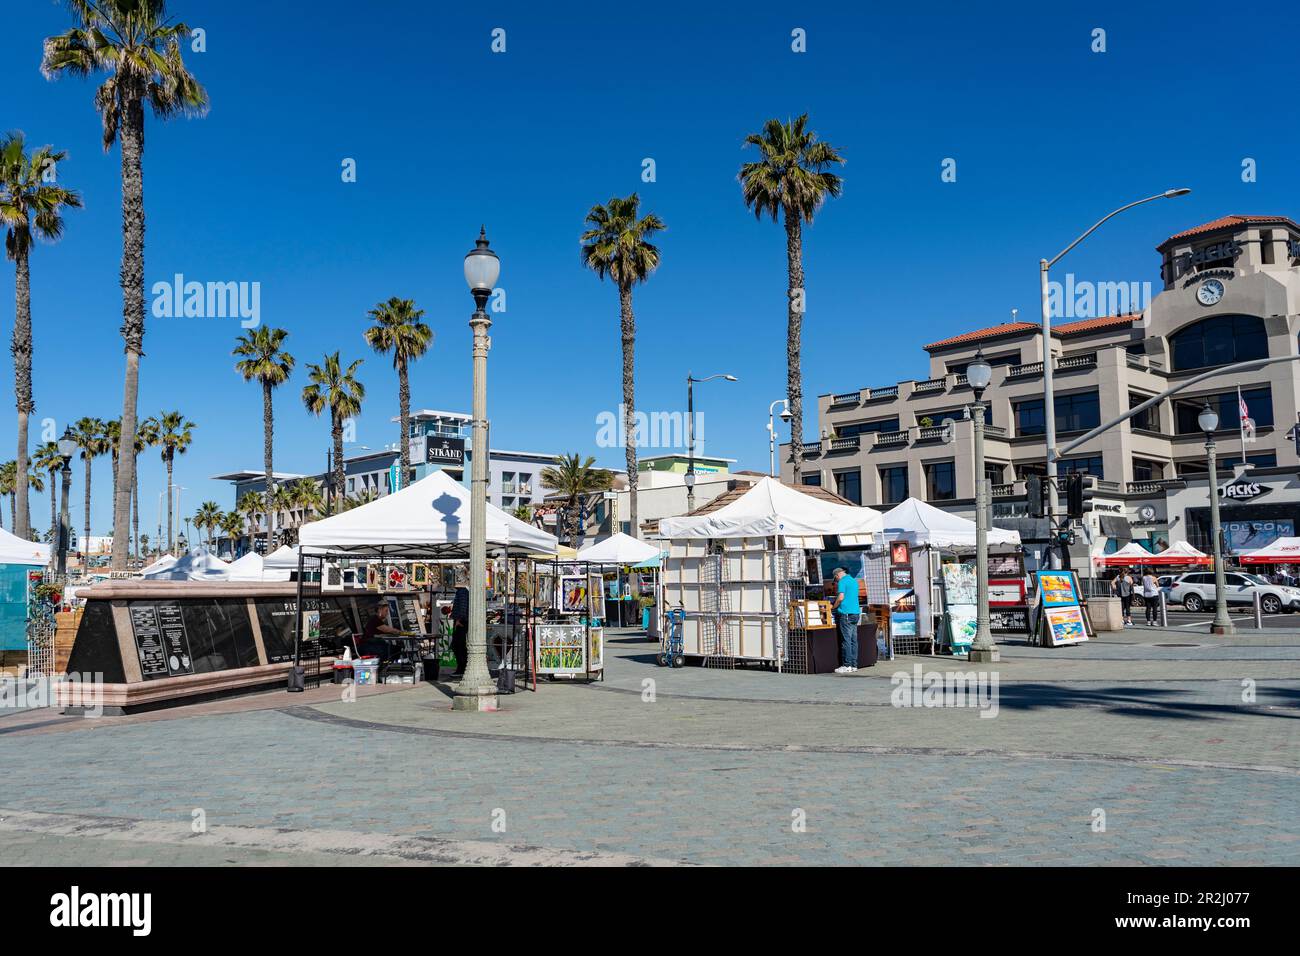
<point x="1060" y="620"/>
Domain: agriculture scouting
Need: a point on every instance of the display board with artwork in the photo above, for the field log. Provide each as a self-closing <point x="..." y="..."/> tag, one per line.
<point x="1061" y="614"/>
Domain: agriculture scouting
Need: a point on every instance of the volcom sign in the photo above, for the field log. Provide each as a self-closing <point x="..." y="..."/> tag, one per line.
<point x="1243" y="490"/>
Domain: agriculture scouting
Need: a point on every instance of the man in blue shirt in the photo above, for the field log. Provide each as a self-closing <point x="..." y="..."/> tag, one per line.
<point x="847" y="613"/>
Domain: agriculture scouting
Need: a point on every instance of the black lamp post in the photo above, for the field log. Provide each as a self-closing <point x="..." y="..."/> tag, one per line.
<point x="67" y="448"/>
<point x="1209" y="422"/>
<point x="691" y="382"/>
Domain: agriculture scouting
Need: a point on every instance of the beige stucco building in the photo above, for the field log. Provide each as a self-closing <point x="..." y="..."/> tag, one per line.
<point x="1231" y="292"/>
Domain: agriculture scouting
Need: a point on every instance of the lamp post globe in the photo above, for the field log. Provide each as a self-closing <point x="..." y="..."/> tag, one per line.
<point x="978" y="374"/>
<point x="1208" y="419"/>
<point x="983" y="650"/>
<point x="476" y="691"/>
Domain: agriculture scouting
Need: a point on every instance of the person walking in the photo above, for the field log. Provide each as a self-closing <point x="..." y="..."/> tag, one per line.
<point x="1122" y="587"/>
<point x="1151" y="597"/>
<point x="460" y="630"/>
<point x="847" y="612"/>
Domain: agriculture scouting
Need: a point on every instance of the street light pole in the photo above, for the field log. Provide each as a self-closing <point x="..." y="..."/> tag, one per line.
<point x="67" y="448"/>
<point x="983" y="650"/>
<point x="1209" y="422"/>
<point x="690" y="432"/>
<point x="1049" y="394"/>
<point x="476" y="692"/>
<point x="771" y="431"/>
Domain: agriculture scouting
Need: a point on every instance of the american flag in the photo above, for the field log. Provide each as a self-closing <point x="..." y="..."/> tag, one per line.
<point x="1247" y="423"/>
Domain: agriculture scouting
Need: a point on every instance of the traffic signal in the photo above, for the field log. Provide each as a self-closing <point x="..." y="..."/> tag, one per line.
<point x="1074" y="496"/>
<point x="1034" y="492"/>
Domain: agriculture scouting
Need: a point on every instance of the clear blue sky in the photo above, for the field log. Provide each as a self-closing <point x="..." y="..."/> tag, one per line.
<point x="1047" y="136"/>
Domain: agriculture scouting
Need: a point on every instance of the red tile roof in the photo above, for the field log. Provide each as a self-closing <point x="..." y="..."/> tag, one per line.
<point x="1225" y="222"/>
<point x="989" y="333"/>
<point x="1093" y="325"/>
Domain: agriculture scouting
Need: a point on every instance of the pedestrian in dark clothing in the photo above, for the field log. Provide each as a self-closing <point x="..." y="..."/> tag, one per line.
<point x="460" y="630"/>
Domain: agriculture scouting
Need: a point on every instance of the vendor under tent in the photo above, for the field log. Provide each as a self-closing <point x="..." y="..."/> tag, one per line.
<point x="740" y="569"/>
<point x="1281" y="551"/>
<point x="427" y="521"/>
<point x="619" y="551"/>
<point x="1181" y="553"/>
<point x="200" y="566"/>
<point x="1131" y="554"/>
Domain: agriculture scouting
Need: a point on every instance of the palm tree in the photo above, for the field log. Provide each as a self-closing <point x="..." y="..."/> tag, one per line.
<point x="207" y="518"/>
<point x="575" y="478"/>
<point x="113" y="437"/>
<point x="139" y="48"/>
<point x="9" y="486"/>
<point x="88" y="435"/>
<point x="30" y="205"/>
<point x="399" y="328"/>
<point x="249" y="508"/>
<point x="792" y="178"/>
<point x="49" y="461"/>
<point x="146" y="436"/>
<point x="617" y="245"/>
<point x="232" y="525"/>
<point x="262" y="358"/>
<point x="307" y="500"/>
<point x="174" y="438"/>
<point x="363" y="497"/>
<point x="335" y="388"/>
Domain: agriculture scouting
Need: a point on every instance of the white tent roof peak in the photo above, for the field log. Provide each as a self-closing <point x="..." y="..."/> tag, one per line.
<point x="920" y="524"/>
<point x="430" y="516"/>
<point x="200" y="566"/>
<point x="618" y="548"/>
<point x="1182" y="549"/>
<point x="283" y="557"/>
<point x="770" y="508"/>
<point x="16" y="550"/>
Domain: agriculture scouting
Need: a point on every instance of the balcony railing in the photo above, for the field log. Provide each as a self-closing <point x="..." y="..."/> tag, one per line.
<point x="876" y="394"/>
<point x="852" y="443"/>
<point x="846" y="398"/>
<point x="995" y="431"/>
<point x="812" y="448"/>
<point x="930" y="433"/>
<point x="891" y="438"/>
<point x="1145" y="487"/>
<point x="1025" y="370"/>
<point x="1003" y="491"/>
<point x="1077" y="361"/>
<point x="930" y="385"/>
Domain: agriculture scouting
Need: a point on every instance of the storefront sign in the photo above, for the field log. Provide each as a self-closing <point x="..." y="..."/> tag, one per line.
<point x="1243" y="490"/>
<point x="445" y="451"/>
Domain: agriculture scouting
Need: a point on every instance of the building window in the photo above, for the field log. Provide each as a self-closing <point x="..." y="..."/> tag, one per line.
<point x="1080" y="466"/>
<point x="993" y="473"/>
<point x="1219" y="341"/>
<point x="893" y="484"/>
<point x="940" y="481"/>
<point x="1259" y="404"/>
<point x="862" y="428"/>
<point x="813" y="479"/>
<point x="1027" y="468"/>
<point x="1146" y="470"/>
<point x="956" y="414"/>
<point x="1197" y="466"/>
<point x="352" y="485"/>
<point x="1148" y="420"/>
<point x="848" y="484"/>
<point x="1074" y="413"/>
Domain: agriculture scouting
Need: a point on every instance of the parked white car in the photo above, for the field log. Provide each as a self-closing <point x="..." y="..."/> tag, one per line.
<point x="1196" y="591"/>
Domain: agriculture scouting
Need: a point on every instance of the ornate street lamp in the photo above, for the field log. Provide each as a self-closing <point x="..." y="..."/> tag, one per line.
<point x="476" y="690"/>
<point x="771" y="431"/>
<point x="1209" y="422"/>
<point x="978" y="375"/>
<point x="67" y="448"/>
<point x="691" y="382"/>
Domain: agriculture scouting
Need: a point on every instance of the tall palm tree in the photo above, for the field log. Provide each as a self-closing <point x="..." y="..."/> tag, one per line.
<point x="399" y="328"/>
<point x="174" y="437"/>
<point x="207" y="517"/>
<point x="262" y="359"/>
<point x="139" y="48"/>
<point x="29" y="206"/>
<point x="232" y="526"/>
<point x="146" y="436"/>
<point x="48" y="460"/>
<point x="575" y="478"/>
<point x="9" y="486"/>
<point x="249" y="508"/>
<point x="617" y="244"/>
<point x="337" y="389"/>
<point x="307" y="501"/>
<point x="792" y="178"/>
<point x="88" y="435"/>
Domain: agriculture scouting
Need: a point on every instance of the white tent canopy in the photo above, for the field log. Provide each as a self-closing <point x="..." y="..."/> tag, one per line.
<point x="283" y="558"/>
<point x="16" y="550"/>
<point x="162" y="564"/>
<point x="1180" y="549"/>
<point x="620" y="549"/>
<point x="1131" y="553"/>
<point x="252" y="567"/>
<point x="428" y="518"/>
<point x="193" y="567"/>
<point x="921" y="524"/>
<point x="1281" y="551"/>
<point x="771" y="508"/>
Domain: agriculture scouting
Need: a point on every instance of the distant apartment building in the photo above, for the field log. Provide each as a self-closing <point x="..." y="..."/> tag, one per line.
<point x="1231" y="293"/>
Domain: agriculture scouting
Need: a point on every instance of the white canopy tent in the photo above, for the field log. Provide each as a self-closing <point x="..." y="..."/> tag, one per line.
<point x="1131" y="553"/>
<point x="283" y="558"/>
<point x="252" y="567"/>
<point x="193" y="567"/>
<point x="1181" y="553"/>
<point x="1281" y="551"/>
<point x="921" y="524"/>
<point x="16" y="550"/>
<point x="618" y="549"/>
<point x="429" y="518"/>
<point x="162" y="564"/>
<point x="771" y="508"/>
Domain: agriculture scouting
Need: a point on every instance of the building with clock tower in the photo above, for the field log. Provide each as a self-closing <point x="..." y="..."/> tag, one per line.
<point x="1231" y="293"/>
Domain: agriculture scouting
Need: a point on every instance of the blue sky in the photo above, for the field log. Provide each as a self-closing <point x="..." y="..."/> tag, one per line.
<point x="1046" y="134"/>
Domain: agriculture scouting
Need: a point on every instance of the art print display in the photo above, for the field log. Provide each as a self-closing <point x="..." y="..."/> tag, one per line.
<point x="560" y="648"/>
<point x="959" y="583"/>
<point x="1006" y="566"/>
<point x="1065" y="625"/>
<point x="962" y="624"/>
<point x="900" y="553"/>
<point x="373" y="577"/>
<point x="1009" y="620"/>
<point x="900" y="578"/>
<point x="902" y="623"/>
<point x="420" y="575"/>
<point x="1057" y="589"/>
<point x="573" y="594"/>
<point x="395" y="577"/>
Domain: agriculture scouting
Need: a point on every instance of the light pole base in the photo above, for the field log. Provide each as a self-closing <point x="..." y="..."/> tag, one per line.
<point x="480" y="703"/>
<point x="989" y="656"/>
<point x="1223" y="629"/>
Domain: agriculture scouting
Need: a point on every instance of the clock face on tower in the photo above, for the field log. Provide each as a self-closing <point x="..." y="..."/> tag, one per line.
<point x="1210" y="292"/>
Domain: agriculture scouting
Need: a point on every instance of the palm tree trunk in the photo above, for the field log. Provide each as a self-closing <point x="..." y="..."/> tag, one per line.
<point x="13" y="508"/>
<point x="169" y="500"/>
<point x="135" y="509"/>
<point x="85" y="544"/>
<point x="337" y="428"/>
<point x="629" y="399"/>
<point x="794" y="333"/>
<point x="268" y="432"/>
<point x="404" y="413"/>
<point x="22" y="350"/>
<point x="132" y="143"/>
